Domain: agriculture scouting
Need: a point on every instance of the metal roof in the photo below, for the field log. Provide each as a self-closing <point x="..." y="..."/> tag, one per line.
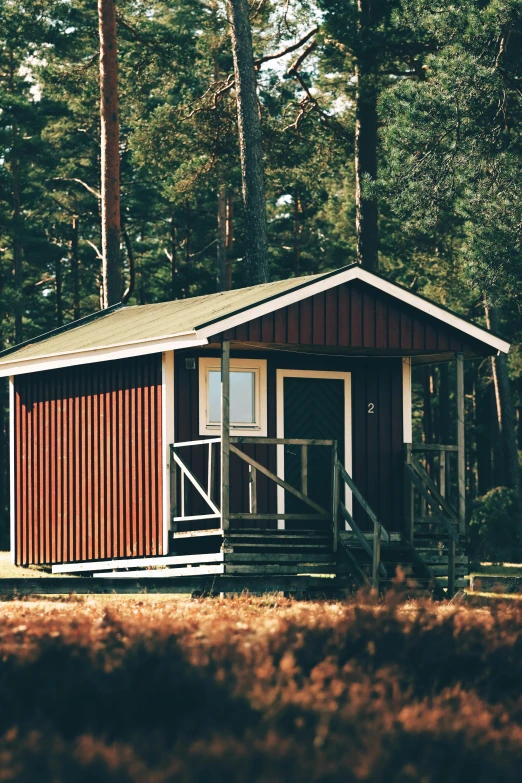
<point x="138" y="323"/>
<point x="133" y="330"/>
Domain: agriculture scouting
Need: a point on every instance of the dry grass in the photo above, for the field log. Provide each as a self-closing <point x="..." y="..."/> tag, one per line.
<point x="150" y="689"/>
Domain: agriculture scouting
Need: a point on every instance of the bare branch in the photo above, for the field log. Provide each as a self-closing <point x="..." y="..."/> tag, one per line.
<point x="297" y="64"/>
<point x="98" y="254"/>
<point x="80" y="182"/>
<point x="288" y="49"/>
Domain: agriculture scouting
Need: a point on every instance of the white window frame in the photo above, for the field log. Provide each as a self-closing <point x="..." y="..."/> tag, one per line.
<point x="258" y="367"/>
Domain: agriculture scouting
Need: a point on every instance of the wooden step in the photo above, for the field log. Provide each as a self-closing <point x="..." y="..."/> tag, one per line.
<point x="277" y="557"/>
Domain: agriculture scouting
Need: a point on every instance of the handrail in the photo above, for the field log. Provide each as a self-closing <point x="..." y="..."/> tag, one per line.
<point x="418" y="483"/>
<point x="379" y="531"/>
<point x="348" y="480"/>
<point x="433" y="447"/>
<point x="427" y="480"/>
<point x="360" y="535"/>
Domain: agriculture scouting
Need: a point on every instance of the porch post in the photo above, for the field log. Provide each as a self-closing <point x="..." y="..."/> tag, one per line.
<point x="461" y="453"/>
<point x="225" y="434"/>
<point x="407" y="437"/>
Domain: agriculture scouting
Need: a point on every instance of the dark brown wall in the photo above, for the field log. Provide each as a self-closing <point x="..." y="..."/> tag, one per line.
<point x="354" y="315"/>
<point x="376" y="438"/>
<point x="88" y="462"/>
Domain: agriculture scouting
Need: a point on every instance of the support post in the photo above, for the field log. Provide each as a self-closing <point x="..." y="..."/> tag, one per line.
<point x="252" y="473"/>
<point x="173" y="491"/>
<point x="461" y="453"/>
<point x="451" y="541"/>
<point x="409" y="497"/>
<point x="225" y="434"/>
<point x="376" y="555"/>
<point x="335" y="496"/>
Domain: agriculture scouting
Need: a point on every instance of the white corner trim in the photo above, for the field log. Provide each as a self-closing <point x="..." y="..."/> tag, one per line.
<point x="92" y="355"/>
<point x="281" y="374"/>
<point x="407" y="434"/>
<point x="12" y="494"/>
<point x="167" y="435"/>
<point x="356" y="273"/>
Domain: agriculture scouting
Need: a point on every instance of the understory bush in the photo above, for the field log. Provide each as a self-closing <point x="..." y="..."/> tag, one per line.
<point x="255" y="690"/>
<point x="494" y="526"/>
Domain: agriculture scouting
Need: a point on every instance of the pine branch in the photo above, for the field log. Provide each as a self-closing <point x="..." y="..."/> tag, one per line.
<point x="287" y="50"/>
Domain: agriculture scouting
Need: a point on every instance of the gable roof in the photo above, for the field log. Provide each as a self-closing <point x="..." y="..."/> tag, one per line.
<point x="140" y="329"/>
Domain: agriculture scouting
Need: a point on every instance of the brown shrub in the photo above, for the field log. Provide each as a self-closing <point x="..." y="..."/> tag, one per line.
<point x="259" y="690"/>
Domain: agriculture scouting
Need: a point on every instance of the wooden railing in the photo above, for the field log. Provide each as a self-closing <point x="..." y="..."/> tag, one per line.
<point x="339" y="476"/>
<point x="432" y="498"/>
<point x="372" y="546"/>
<point x="302" y="494"/>
<point x="178" y="488"/>
<point x="178" y="491"/>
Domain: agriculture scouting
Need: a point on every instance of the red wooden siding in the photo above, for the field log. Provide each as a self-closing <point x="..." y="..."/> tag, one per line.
<point x="88" y="462"/>
<point x="354" y="315"/>
<point x="376" y="438"/>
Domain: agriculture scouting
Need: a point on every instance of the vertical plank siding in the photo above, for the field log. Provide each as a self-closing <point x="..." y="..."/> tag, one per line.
<point x="353" y="315"/>
<point x="88" y="462"/>
<point x="376" y="438"/>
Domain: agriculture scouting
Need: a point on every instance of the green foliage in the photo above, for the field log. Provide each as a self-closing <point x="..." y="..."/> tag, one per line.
<point x="452" y="140"/>
<point x="494" y="526"/>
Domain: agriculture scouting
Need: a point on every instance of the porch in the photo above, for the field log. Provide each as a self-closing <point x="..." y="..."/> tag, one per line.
<point x="284" y="524"/>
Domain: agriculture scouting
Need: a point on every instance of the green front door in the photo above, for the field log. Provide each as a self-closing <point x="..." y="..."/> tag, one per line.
<point x="313" y="408"/>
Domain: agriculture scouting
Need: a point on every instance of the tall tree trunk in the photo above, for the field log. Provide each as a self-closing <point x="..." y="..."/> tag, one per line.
<point x="173" y="259"/>
<point x="366" y="214"/>
<point x="444" y="404"/>
<point x="17" y="239"/>
<point x="230" y="239"/>
<point x="297" y="231"/>
<point x="58" y="287"/>
<point x="16" y="201"/>
<point x="506" y="417"/>
<point x="221" y="236"/>
<point x="250" y="143"/>
<point x="75" y="267"/>
<point x="427" y="407"/>
<point x="484" y="437"/>
<point x="110" y="154"/>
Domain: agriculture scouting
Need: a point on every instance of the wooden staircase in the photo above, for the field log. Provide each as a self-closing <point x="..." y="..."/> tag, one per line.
<point x="401" y="565"/>
<point x="431" y="542"/>
<point x="291" y="552"/>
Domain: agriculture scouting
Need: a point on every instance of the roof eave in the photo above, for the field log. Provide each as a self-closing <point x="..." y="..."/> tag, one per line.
<point x="102" y="354"/>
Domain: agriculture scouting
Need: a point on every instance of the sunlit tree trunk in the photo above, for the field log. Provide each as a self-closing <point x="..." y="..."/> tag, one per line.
<point x="112" y="272"/>
<point x="58" y="287"/>
<point x="221" y="236"/>
<point x="366" y="214"/>
<point x="250" y="143"/>
<point x="75" y="267"/>
<point x="506" y="417"/>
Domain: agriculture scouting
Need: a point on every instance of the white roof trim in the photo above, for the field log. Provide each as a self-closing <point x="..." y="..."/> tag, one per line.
<point x="345" y="276"/>
<point x="201" y="335"/>
<point x="102" y="354"/>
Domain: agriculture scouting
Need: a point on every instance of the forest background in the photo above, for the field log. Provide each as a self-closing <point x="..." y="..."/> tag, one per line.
<point x="391" y="136"/>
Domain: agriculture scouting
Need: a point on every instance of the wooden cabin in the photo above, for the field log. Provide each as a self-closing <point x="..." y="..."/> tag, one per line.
<point x="258" y="438"/>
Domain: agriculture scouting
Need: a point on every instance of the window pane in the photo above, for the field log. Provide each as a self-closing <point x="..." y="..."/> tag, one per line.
<point x="214" y="397"/>
<point x="242" y="397"/>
